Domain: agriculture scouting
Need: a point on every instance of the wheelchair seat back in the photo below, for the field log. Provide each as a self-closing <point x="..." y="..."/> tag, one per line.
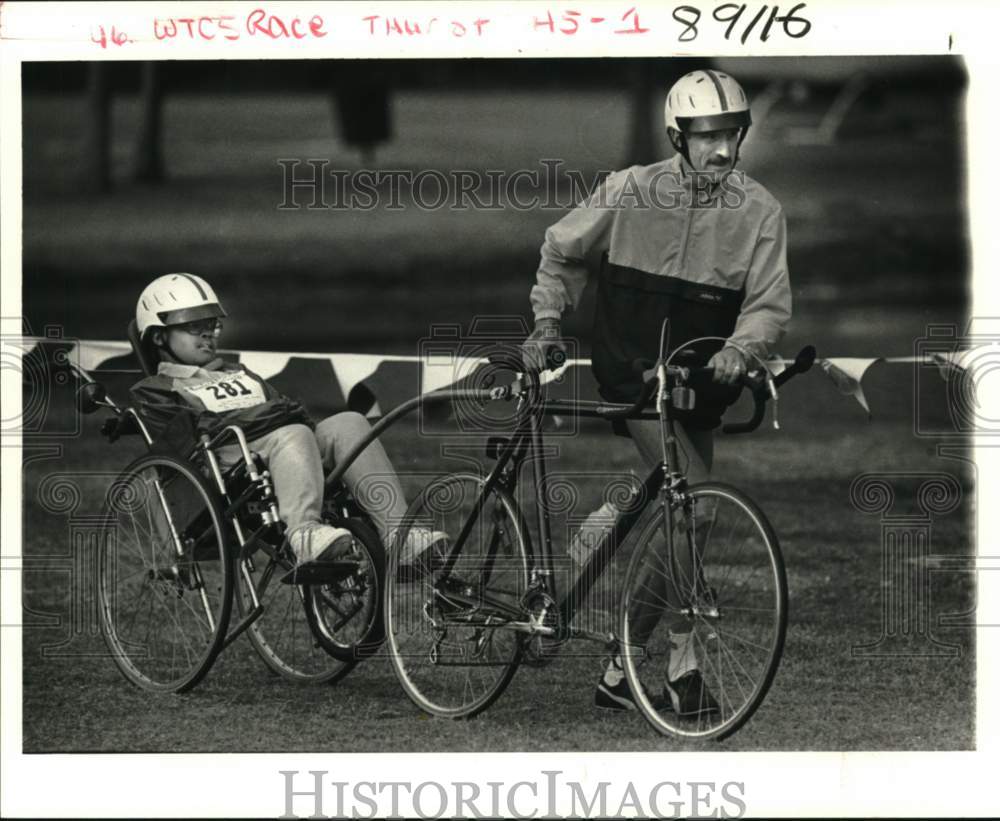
<point x="142" y="354"/>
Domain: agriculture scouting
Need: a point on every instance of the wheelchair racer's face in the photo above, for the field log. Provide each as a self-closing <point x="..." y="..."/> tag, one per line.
<point x="191" y="349"/>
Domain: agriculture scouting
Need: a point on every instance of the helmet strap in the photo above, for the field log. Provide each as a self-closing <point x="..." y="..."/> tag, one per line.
<point x="739" y="143"/>
<point x="679" y="142"/>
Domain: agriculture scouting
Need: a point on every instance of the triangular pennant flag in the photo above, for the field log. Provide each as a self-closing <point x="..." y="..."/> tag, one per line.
<point x="775" y="364"/>
<point x="441" y="371"/>
<point x="94" y="353"/>
<point x="265" y="363"/>
<point x="847" y="373"/>
<point x="369" y="383"/>
<point x="352" y="369"/>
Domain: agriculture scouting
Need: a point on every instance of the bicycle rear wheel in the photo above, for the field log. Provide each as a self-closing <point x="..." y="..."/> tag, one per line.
<point x="726" y="617"/>
<point x="449" y="634"/>
<point x="164" y="579"/>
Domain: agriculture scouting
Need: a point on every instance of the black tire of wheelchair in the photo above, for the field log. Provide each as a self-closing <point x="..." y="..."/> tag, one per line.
<point x="373" y="639"/>
<point x="208" y="492"/>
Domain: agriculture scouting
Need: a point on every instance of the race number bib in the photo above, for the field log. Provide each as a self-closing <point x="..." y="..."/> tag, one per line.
<point x="228" y="390"/>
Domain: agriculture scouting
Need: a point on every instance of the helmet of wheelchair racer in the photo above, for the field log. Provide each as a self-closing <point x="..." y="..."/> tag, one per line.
<point x="174" y="299"/>
<point x="705" y="100"/>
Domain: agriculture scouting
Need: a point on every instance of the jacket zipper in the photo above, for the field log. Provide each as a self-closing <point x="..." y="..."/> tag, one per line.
<point x="685" y="240"/>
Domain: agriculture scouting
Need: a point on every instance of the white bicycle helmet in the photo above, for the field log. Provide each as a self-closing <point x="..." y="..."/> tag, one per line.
<point x="174" y="299"/>
<point x="706" y="100"/>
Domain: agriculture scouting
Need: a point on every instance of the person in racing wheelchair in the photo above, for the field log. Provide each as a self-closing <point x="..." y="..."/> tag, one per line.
<point x="195" y="392"/>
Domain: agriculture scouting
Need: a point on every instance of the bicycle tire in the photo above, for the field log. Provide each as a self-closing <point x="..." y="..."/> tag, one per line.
<point x="449" y="667"/>
<point x="737" y="630"/>
<point x="346" y="616"/>
<point x="163" y="614"/>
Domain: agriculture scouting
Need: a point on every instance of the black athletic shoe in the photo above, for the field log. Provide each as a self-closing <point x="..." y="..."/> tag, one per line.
<point x="690" y="697"/>
<point x="619" y="697"/>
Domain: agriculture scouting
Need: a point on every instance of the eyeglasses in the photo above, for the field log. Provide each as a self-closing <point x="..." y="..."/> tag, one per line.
<point x="200" y="326"/>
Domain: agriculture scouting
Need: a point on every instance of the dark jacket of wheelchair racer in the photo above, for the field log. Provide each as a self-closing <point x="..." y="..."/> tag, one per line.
<point x="214" y="396"/>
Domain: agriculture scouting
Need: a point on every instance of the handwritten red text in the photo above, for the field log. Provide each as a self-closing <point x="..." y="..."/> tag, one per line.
<point x="408" y="27"/>
<point x="258" y="22"/>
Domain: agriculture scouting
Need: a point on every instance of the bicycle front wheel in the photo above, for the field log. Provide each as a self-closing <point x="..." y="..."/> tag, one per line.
<point x="452" y="633"/>
<point x="164" y="580"/>
<point x="717" y="606"/>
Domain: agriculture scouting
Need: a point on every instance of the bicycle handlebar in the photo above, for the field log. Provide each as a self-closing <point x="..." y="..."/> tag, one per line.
<point x="762" y="386"/>
<point x="758" y="386"/>
<point x="759" y="391"/>
<point x="762" y="392"/>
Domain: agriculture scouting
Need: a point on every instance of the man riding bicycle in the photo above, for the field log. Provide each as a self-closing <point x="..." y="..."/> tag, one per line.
<point x="692" y="240"/>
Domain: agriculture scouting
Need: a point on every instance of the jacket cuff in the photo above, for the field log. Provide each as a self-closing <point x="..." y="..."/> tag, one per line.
<point x="757" y="348"/>
<point x="548" y="313"/>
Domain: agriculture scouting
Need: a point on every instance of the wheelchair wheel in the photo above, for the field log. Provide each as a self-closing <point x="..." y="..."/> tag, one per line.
<point x="164" y="581"/>
<point x="451" y="642"/>
<point x="724" y="611"/>
<point x="282" y="635"/>
<point x="346" y="615"/>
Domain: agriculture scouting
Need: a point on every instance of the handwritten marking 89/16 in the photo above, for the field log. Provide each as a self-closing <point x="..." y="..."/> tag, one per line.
<point x="793" y="24"/>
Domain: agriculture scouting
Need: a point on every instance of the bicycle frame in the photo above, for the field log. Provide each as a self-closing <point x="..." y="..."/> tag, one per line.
<point x="658" y="484"/>
<point x="527" y="442"/>
<point x="664" y="482"/>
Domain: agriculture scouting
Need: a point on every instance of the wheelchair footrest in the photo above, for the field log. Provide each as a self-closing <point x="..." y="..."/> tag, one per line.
<point x="266" y="536"/>
<point x="316" y="572"/>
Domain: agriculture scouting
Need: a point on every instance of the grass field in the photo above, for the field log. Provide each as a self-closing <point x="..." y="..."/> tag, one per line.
<point x="877" y="253"/>
<point x="823" y="697"/>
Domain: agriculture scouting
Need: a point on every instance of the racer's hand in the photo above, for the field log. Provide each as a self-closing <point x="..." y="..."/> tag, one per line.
<point x="546" y="337"/>
<point x="729" y="366"/>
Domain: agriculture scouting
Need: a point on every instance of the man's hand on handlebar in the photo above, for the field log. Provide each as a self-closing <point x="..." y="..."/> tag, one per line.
<point x="728" y="365"/>
<point x="544" y="346"/>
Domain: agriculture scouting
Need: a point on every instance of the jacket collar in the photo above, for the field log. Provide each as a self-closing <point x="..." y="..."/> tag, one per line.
<point x="178" y="370"/>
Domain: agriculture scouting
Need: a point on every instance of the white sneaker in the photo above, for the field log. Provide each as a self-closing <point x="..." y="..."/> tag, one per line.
<point x="418" y="542"/>
<point x="312" y="542"/>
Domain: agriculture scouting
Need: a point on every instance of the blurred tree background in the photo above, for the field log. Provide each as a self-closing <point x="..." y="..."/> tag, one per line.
<point x="133" y="169"/>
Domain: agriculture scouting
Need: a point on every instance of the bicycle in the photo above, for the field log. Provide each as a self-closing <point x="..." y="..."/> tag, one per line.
<point x="459" y="623"/>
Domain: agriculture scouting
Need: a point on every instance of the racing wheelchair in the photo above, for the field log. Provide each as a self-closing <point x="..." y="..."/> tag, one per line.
<point x="183" y="537"/>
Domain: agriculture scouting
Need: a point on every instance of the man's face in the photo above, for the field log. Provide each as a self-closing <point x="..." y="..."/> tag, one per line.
<point x="713" y="151"/>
